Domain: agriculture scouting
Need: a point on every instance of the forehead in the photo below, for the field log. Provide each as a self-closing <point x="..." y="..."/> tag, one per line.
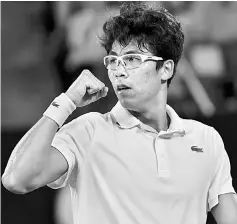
<point x="132" y="47"/>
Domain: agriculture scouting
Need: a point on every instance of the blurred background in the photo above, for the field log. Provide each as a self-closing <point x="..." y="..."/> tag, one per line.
<point x="45" y="46"/>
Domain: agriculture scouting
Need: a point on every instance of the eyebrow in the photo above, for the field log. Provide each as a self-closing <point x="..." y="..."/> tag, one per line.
<point x="128" y="52"/>
<point x="112" y="53"/>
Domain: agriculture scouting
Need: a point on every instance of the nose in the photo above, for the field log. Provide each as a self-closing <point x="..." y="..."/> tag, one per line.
<point x="121" y="70"/>
<point x="120" y="62"/>
<point x="120" y="73"/>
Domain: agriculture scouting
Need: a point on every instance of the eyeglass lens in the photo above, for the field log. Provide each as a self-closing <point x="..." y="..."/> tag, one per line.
<point x="130" y="61"/>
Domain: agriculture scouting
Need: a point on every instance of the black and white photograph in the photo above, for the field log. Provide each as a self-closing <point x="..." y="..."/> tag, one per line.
<point x="118" y="112"/>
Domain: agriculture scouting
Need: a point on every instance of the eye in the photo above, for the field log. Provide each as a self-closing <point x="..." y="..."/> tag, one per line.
<point x="112" y="60"/>
<point x="132" y="58"/>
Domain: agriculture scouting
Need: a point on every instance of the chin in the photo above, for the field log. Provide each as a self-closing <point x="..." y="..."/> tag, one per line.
<point x="129" y="104"/>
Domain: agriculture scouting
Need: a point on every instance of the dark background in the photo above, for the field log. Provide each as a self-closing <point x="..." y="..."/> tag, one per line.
<point x="45" y="46"/>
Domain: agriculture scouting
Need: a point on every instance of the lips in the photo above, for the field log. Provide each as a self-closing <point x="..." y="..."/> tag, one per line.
<point x="121" y="87"/>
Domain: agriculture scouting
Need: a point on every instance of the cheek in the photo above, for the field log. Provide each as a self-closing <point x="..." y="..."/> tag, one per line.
<point x="147" y="83"/>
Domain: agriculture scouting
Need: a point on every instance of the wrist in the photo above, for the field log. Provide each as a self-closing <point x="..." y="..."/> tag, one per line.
<point x="70" y="97"/>
<point x="60" y="109"/>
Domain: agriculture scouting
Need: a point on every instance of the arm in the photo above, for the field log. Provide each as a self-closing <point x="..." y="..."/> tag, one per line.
<point x="32" y="156"/>
<point x="34" y="162"/>
<point x="225" y="212"/>
<point x="222" y="196"/>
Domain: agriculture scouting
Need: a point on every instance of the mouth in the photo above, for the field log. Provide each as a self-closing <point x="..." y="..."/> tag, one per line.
<point x="123" y="88"/>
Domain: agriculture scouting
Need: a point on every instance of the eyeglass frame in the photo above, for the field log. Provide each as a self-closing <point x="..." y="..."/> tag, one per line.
<point x="143" y="57"/>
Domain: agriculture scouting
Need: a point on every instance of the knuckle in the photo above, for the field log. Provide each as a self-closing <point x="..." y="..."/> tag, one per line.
<point x="87" y="72"/>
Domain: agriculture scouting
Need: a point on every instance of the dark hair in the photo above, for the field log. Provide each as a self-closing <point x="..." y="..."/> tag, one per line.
<point x="155" y="29"/>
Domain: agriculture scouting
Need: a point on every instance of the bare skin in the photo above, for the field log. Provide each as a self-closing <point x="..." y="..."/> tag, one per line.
<point x="34" y="162"/>
<point x="147" y="97"/>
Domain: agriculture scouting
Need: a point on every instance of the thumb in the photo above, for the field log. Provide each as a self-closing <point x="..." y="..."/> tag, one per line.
<point x="104" y="91"/>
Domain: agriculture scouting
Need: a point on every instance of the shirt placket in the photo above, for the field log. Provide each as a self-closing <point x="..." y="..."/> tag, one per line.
<point x="161" y="157"/>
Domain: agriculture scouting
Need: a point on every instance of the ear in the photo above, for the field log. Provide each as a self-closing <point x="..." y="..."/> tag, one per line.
<point x="168" y="69"/>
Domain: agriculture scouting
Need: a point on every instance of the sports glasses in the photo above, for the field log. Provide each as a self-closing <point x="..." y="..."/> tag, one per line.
<point x="129" y="61"/>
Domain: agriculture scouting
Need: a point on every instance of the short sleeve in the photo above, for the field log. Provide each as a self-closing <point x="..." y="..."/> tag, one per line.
<point x="222" y="182"/>
<point x="73" y="140"/>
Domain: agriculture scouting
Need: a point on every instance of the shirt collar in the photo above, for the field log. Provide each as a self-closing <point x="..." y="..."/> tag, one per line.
<point x="126" y="120"/>
<point x="123" y="117"/>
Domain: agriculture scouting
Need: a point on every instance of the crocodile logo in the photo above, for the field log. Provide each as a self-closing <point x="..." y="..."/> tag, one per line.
<point x="55" y="104"/>
<point x="196" y="149"/>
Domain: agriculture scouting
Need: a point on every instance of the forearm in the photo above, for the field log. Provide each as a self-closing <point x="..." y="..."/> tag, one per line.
<point x="30" y="154"/>
<point x="225" y="211"/>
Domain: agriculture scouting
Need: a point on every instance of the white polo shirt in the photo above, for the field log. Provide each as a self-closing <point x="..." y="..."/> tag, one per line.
<point x="122" y="171"/>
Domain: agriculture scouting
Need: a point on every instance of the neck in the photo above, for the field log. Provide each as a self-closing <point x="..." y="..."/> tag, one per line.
<point x="154" y="114"/>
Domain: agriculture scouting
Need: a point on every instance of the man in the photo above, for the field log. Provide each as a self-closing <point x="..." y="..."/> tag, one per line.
<point x="140" y="162"/>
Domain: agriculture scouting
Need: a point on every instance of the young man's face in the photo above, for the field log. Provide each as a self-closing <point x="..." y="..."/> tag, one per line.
<point x="144" y="82"/>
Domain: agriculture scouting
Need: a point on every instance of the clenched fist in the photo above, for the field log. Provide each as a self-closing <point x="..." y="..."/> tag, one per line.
<point x="86" y="89"/>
